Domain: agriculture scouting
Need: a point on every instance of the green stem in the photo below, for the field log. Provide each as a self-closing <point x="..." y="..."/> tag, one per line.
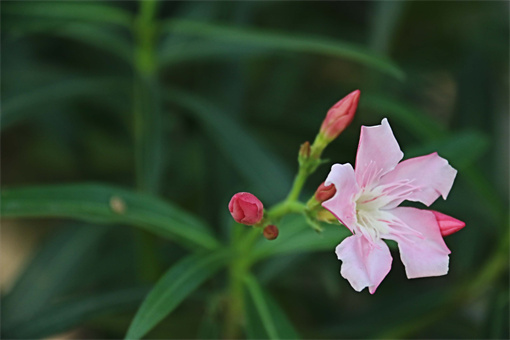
<point x="284" y="208"/>
<point x="235" y="307"/>
<point x="147" y="125"/>
<point x="308" y="163"/>
<point x="297" y="186"/>
<point x="148" y="138"/>
<point x="242" y="243"/>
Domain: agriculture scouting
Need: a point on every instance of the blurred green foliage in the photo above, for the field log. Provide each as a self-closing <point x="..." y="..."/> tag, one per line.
<point x="169" y="108"/>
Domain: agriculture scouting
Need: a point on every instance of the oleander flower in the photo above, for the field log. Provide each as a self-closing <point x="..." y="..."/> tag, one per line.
<point x="367" y="202"/>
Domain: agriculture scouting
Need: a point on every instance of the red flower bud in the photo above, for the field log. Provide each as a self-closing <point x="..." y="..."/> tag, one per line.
<point x="271" y="232"/>
<point x="340" y="116"/>
<point x="245" y="208"/>
<point x="324" y="192"/>
<point x="447" y="224"/>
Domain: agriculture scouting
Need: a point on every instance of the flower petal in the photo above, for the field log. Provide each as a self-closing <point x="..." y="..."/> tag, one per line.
<point x="342" y="204"/>
<point x="422" y="248"/>
<point x="420" y="179"/>
<point x="364" y="263"/>
<point x="378" y="153"/>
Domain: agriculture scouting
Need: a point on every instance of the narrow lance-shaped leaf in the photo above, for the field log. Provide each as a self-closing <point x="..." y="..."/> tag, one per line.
<point x="103" y="38"/>
<point x="70" y="11"/>
<point x="108" y="204"/>
<point x="177" y="283"/>
<point x="264" y="318"/>
<point x="72" y="312"/>
<point x="283" y="42"/>
<point x="52" y="271"/>
<point x="254" y="162"/>
<point x="26" y="105"/>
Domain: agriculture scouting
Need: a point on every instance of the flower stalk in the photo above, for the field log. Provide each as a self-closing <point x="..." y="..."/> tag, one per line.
<point x="246" y="208"/>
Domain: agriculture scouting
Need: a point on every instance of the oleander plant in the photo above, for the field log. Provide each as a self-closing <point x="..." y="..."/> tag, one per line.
<point x="244" y="170"/>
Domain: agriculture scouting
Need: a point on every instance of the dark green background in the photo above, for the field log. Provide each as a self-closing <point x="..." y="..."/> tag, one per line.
<point x="229" y="99"/>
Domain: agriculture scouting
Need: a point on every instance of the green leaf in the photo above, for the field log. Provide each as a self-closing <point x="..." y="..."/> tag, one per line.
<point x="177" y="283"/>
<point x="108" y="204"/>
<point x="205" y="50"/>
<point x="283" y="42"/>
<point x="99" y="37"/>
<point x="71" y="11"/>
<point x="52" y="271"/>
<point x="64" y="315"/>
<point x="25" y="105"/>
<point x="385" y="19"/>
<point x="102" y="38"/>
<point x="265" y="319"/>
<point x="266" y="172"/>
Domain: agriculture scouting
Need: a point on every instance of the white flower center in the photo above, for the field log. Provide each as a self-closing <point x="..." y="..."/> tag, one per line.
<point x="372" y="222"/>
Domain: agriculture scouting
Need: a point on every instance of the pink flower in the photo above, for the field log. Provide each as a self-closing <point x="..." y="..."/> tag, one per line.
<point x="367" y="202"/>
<point x="340" y="116"/>
<point x="245" y="208"/>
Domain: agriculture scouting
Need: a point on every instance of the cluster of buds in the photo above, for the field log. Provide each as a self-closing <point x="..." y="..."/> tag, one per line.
<point x="247" y="209"/>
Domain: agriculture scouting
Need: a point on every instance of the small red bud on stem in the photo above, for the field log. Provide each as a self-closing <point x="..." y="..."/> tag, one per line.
<point x="271" y="232"/>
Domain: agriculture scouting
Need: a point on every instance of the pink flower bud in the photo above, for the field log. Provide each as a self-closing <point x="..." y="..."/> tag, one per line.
<point x="448" y="224"/>
<point x="340" y="116"/>
<point x="271" y="232"/>
<point x="324" y="192"/>
<point x="245" y="208"/>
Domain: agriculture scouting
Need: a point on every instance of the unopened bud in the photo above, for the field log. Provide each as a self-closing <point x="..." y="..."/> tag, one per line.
<point x="324" y="215"/>
<point x="325" y="192"/>
<point x="340" y="116"/>
<point x="304" y="150"/>
<point x="271" y="232"/>
<point x="447" y="224"/>
<point x="245" y="208"/>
